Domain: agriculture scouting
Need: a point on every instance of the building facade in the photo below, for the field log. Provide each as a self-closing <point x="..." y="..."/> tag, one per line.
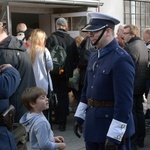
<point x="43" y="13"/>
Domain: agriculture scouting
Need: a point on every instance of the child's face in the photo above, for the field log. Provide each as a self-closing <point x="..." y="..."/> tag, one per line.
<point x="42" y="103"/>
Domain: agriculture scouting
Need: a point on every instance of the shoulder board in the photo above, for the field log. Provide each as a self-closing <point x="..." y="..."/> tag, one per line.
<point x="120" y="51"/>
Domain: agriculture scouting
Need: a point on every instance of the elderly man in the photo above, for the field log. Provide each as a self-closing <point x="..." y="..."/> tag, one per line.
<point x="107" y="96"/>
<point x="119" y="35"/>
<point x="146" y="39"/>
<point x="21" y="28"/>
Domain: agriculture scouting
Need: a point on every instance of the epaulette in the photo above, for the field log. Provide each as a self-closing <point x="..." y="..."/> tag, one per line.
<point x="120" y="51"/>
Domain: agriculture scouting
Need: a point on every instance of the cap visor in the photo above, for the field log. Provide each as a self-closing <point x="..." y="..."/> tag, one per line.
<point x="89" y="28"/>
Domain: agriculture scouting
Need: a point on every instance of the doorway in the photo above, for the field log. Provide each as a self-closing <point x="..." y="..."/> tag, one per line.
<point x="31" y="20"/>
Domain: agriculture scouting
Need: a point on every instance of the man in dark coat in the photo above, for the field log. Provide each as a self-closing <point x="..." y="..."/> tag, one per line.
<point x="13" y="51"/>
<point x="139" y="53"/>
<point x="9" y="81"/>
<point x="60" y="82"/>
<point x="106" y="102"/>
<point x="146" y="39"/>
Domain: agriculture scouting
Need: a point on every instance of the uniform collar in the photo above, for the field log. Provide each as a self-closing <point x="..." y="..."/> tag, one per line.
<point x="108" y="48"/>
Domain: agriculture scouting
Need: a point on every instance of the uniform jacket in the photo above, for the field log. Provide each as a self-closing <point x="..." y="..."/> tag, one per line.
<point x="9" y="81"/>
<point x="14" y="52"/>
<point x="109" y="77"/>
<point x="139" y="53"/>
<point x="66" y="41"/>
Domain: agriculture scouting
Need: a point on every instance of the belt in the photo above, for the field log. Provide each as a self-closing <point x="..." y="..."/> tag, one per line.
<point x="95" y="103"/>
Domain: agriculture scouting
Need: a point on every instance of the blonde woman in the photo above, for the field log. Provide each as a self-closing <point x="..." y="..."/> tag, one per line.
<point x="36" y="51"/>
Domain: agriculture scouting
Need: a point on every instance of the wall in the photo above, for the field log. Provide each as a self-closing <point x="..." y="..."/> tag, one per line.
<point x="44" y="23"/>
<point x="114" y="8"/>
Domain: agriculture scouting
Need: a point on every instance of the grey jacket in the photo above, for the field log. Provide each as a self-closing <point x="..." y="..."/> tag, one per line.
<point x="13" y="51"/>
<point x="138" y="51"/>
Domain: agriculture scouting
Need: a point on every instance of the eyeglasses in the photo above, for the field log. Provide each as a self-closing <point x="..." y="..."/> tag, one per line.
<point x="127" y="33"/>
<point x="92" y="33"/>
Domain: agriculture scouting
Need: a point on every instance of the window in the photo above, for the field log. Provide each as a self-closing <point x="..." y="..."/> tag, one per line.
<point x="76" y="21"/>
<point x="137" y="12"/>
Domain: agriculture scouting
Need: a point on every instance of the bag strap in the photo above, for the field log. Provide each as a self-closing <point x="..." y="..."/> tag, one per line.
<point x="55" y="39"/>
<point x="49" y="90"/>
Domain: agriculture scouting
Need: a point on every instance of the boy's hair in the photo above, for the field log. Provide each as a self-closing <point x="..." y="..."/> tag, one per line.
<point x="30" y="95"/>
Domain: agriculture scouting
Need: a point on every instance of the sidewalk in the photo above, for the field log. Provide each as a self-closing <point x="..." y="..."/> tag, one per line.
<point x="75" y="143"/>
<point x="72" y="141"/>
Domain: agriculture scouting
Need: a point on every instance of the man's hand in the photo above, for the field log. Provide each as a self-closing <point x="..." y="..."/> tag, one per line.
<point x="4" y="66"/>
<point x="109" y="145"/>
<point x="78" y="129"/>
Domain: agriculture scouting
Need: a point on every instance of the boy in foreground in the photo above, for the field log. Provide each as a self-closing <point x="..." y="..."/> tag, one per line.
<point x="40" y="133"/>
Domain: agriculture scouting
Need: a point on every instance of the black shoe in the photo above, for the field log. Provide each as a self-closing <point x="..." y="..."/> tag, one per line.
<point x="133" y="147"/>
<point x="140" y="144"/>
<point x="55" y="122"/>
<point x="147" y="115"/>
<point x="62" y="127"/>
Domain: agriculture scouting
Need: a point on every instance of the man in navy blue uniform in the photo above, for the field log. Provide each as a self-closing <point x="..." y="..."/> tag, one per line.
<point x="105" y="108"/>
<point x="9" y="81"/>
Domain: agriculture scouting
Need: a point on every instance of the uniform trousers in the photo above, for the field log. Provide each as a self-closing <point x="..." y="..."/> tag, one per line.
<point x="101" y="146"/>
<point x="139" y="121"/>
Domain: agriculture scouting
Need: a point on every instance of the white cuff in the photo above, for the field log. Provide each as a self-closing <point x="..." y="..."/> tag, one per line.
<point x="117" y="130"/>
<point x="81" y="110"/>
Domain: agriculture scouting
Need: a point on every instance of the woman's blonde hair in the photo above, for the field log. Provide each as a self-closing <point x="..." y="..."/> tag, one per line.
<point x="38" y="38"/>
<point x="78" y="40"/>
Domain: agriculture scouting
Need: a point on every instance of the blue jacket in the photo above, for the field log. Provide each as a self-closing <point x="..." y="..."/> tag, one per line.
<point x="109" y="77"/>
<point x="9" y="81"/>
<point x="40" y="133"/>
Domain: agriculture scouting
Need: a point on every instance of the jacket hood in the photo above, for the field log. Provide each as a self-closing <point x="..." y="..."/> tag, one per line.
<point x="28" y="119"/>
<point x="61" y="33"/>
<point x="12" y="43"/>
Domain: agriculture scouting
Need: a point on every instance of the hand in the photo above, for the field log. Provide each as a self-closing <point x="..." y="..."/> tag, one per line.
<point x="109" y="145"/>
<point x="77" y="129"/>
<point x="4" y="66"/>
<point x="59" y="139"/>
<point x="61" y="146"/>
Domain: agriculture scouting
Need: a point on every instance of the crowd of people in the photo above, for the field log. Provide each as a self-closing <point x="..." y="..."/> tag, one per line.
<point x="114" y="78"/>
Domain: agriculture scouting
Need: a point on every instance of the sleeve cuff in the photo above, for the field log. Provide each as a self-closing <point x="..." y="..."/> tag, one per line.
<point x="81" y="110"/>
<point x="117" y="130"/>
